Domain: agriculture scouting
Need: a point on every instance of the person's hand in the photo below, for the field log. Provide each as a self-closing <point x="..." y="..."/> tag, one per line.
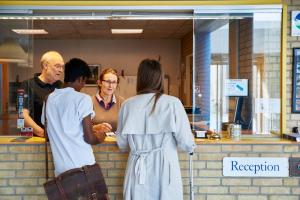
<point x="39" y="132"/>
<point x="100" y="136"/>
<point x="201" y="124"/>
<point x="102" y="128"/>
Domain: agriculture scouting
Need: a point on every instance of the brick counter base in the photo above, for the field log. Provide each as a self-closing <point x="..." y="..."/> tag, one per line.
<point x="22" y="172"/>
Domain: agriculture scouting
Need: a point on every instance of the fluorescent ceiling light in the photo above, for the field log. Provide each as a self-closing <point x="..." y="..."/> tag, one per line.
<point x="30" y="31"/>
<point x="126" y="31"/>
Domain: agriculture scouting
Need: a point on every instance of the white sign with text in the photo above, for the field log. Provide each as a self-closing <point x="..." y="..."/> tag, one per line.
<point x="255" y="166"/>
<point x="236" y="87"/>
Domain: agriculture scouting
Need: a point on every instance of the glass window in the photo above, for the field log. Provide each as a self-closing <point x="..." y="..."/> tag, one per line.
<point x="235" y="66"/>
<point x="237" y="71"/>
<point x="88" y="35"/>
<point x="15" y="66"/>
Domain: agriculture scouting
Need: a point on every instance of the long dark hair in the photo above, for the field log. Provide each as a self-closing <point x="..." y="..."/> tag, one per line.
<point x="150" y="79"/>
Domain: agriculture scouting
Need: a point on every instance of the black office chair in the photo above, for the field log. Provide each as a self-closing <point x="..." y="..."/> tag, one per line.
<point x="238" y="119"/>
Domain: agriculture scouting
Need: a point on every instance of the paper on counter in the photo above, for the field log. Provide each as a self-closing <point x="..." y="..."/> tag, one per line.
<point x="110" y="134"/>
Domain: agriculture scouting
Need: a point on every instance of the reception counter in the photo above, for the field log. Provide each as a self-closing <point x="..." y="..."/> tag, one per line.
<point x="22" y="169"/>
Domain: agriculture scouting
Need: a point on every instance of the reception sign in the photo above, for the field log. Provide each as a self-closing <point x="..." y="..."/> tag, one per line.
<point x="255" y="166"/>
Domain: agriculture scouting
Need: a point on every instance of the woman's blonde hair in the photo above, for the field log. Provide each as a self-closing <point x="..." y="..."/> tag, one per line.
<point x="111" y="71"/>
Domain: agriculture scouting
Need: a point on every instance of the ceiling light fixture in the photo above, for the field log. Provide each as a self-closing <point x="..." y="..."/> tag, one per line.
<point x="30" y="31"/>
<point x="126" y="31"/>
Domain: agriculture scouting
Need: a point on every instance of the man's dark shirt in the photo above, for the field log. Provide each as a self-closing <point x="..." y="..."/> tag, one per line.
<point x="35" y="93"/>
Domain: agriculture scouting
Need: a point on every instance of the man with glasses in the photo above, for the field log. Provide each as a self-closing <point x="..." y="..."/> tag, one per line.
<point x="38" y="87"/>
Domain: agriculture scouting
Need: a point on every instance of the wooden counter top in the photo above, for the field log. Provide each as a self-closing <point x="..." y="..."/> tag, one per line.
<point x="111" y="140"/>
<point x="21" y="140"/>
<point x="246" y="141"/>
<point x="37" y="140"/>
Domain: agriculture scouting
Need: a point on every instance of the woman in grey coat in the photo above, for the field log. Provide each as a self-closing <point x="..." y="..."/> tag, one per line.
<point x="151" y="125"/>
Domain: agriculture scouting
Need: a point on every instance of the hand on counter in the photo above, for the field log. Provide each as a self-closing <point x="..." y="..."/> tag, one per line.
<point x="29" y="122"/>
<point x="201" y="124"/>
<point x="100" y="137"/>
<point x="102" y="128"/>
<point x="39" y="132"/>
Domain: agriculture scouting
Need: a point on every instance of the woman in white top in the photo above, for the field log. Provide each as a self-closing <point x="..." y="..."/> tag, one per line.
<point x="151" y="125"/>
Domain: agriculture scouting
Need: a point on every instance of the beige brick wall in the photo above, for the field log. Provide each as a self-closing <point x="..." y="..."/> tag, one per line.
<point x="22" y="172"/>
<point x="292" y="42"/>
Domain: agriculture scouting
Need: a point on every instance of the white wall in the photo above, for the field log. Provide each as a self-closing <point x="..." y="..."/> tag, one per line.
<point x="119" y="54"/>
